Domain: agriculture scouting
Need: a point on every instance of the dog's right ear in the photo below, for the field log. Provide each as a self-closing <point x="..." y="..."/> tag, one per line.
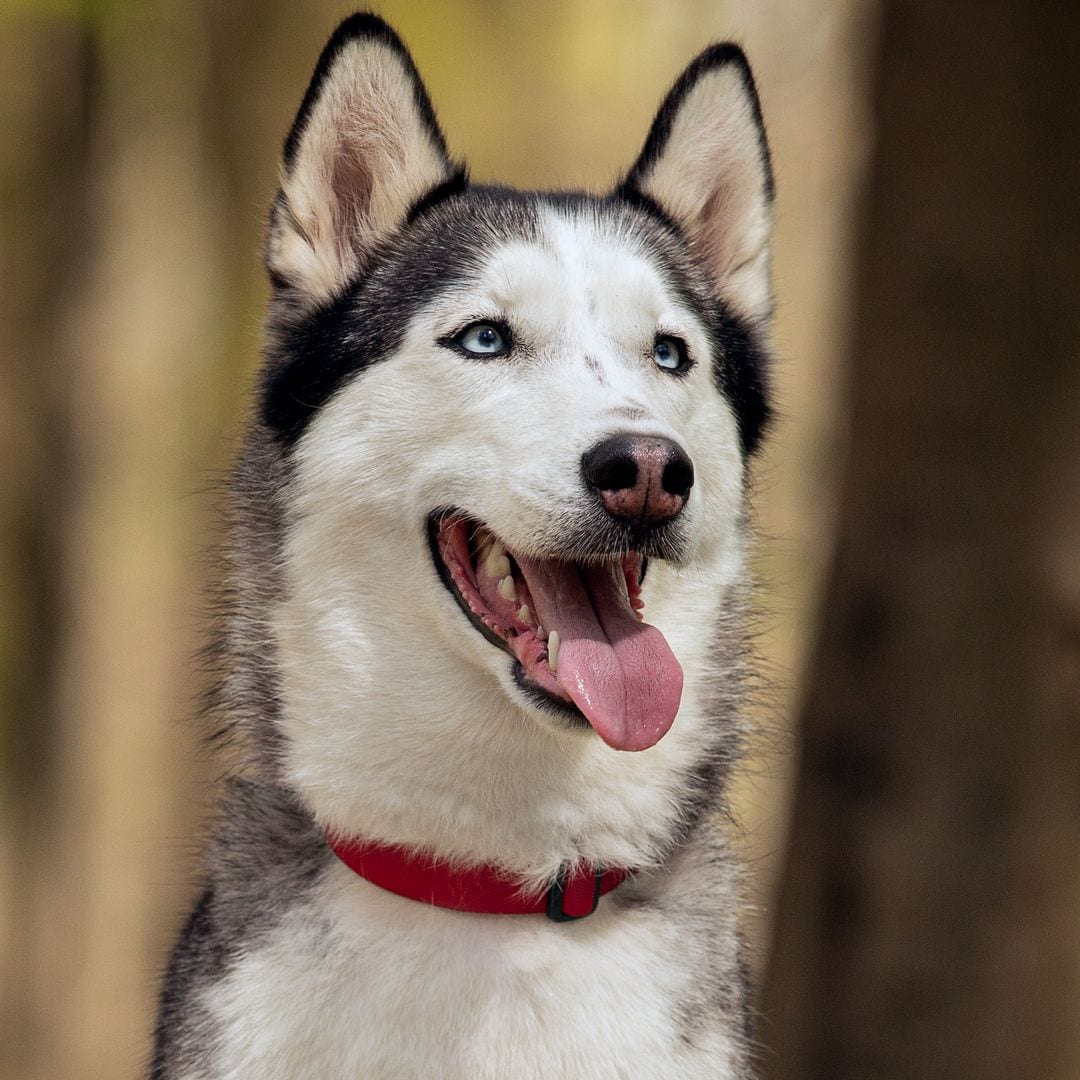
<point x="364" y="149"/>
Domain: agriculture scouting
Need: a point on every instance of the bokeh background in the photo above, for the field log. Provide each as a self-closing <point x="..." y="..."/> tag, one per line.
<point x="137" y="164"/>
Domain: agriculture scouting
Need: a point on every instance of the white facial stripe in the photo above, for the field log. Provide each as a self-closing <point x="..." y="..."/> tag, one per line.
<point x="582" y="290"/>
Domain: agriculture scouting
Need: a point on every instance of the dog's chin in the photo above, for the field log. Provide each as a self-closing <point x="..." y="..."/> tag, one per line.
<point x="592" y="608"/>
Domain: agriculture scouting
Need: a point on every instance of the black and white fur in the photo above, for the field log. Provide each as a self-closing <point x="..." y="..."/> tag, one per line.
<point x="366" y="702"/>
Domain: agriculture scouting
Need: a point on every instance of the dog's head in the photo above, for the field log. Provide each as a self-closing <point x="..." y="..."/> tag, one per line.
<point x="515" y="425"/>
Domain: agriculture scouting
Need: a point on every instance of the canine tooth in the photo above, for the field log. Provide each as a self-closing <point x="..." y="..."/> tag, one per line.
<point x="507" y="588"/>
<point x="553" y="650"/>
<point x="524" y="615"/>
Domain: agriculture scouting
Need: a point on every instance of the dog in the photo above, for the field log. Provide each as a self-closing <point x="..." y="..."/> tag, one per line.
<point x="481" y="638"/>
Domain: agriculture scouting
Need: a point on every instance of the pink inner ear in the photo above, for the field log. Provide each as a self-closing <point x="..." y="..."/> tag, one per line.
<point x="351" y="183"/>
<point x="721" y="242"/>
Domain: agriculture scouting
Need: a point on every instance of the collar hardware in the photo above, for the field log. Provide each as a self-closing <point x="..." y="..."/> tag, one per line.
<point x="567" y="903"/>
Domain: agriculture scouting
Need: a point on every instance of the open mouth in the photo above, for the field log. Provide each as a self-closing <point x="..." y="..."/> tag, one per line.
<point x="576" y="631"/>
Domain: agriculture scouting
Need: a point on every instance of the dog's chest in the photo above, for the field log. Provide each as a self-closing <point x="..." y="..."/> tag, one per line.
<point x="358" y="983"/>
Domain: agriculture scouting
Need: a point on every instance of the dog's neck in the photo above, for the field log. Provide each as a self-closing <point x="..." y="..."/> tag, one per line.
<point x="513" y="796"/>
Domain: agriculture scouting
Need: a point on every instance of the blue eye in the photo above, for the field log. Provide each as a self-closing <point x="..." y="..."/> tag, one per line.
<point x="483" y="339"/>
<point x="670" y="353"/>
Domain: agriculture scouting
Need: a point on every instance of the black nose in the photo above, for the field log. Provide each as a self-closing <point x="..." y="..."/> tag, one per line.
<point x="642" y="478"/>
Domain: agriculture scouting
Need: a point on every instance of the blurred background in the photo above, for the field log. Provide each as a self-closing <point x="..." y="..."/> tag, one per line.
<point x="138" y="163"/>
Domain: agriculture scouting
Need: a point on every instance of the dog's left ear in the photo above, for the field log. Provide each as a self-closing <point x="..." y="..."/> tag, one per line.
<point x="364" y="149"/>
<point x="706" y="166"/>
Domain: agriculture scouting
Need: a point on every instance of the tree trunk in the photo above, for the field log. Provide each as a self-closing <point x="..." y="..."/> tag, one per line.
<point x="929" y="920"/>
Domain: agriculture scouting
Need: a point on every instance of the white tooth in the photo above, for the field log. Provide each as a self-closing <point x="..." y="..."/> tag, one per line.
<point x="541" y="633"/>
<point x="507" y="589"/>
<point x="491" y="556"/>
<point x="495" y="561"/>
<point x="553" y="650"/>
<point x="524" y="615"/>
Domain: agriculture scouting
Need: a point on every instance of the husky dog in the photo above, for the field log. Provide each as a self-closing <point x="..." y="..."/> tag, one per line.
<point x="481" y="632"/>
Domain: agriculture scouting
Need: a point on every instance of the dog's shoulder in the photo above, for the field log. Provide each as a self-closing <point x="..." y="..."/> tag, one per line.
<point x="264" y="855"/>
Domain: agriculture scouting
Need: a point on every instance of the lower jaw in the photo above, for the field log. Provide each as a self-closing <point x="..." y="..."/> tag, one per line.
<point x="565" y="713"/>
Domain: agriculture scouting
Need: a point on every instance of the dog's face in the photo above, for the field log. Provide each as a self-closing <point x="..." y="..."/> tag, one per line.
<point x="516" y="426"/>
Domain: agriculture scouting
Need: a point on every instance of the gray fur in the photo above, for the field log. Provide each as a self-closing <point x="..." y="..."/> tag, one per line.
<point x="264" y="856"/>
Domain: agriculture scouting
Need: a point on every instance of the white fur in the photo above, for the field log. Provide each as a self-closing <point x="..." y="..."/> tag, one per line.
<point x="402" y="722"/>
<point x="361" y="983"/>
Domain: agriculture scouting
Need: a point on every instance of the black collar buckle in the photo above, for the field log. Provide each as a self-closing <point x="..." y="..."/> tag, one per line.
<point x="579" y="898"/>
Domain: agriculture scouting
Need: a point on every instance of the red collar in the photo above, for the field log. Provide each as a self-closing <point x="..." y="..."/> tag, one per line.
<point x="476" y="888"/>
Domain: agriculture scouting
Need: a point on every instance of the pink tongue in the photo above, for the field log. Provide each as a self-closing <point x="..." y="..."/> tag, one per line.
<point x="620" y="672"/>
